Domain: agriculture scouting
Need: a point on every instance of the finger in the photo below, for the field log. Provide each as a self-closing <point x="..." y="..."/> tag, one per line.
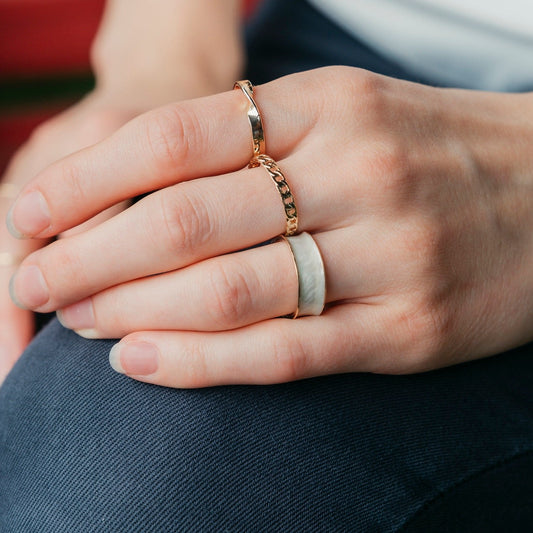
<point x="72" y="269"/>
<point x="180" y="225"/>
<point x="16" y="332"/>
<point x="96" y="220"/>
<point x="346" y="338"/>
<point x="218" y="294"/>
<point x="179" y="142"/>
<point x="16" y="325"/>
<point x="172" y="228"/>
<point x="222" y="293"/>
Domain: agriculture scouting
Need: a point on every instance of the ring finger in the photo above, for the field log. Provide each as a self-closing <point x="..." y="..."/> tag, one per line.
<point x="221" y="293"/>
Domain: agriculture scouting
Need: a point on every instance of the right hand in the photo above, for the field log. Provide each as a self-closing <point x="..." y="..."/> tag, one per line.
<point x="420" y="200"/>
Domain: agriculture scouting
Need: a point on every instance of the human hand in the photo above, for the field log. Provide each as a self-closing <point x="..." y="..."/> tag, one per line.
<point x="420" y="200"/>
<point x="83" y="124"/>
<point x="137" y="66"/>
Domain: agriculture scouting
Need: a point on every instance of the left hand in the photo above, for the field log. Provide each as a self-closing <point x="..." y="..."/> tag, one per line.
<point x="420" y="200"/>
<point x="145" y="54"/>
<point x="88" y="121"/>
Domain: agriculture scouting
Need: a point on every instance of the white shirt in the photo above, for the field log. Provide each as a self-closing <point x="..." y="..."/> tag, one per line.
<point x="478" y="44"/>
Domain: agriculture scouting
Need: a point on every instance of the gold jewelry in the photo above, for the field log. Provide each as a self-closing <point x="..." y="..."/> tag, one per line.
<point x="310" y="273"/>
<point x="296" y="313"/>
<point x="291" y="214"/>
<point x="7" y="259"/>
<point x="258" y="136"/>
<point x="8" y="191"/>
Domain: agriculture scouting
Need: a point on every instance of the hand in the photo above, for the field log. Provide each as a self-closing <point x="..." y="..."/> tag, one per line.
<point x="171" y="60"/>
<point x="84" y="124"/>
<point x="420" y="200"/>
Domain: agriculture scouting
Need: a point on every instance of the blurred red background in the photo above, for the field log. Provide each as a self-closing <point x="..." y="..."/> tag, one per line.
<point x="44" y="62"/>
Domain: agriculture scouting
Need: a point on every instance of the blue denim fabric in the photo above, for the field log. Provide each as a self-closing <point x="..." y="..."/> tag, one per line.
<point x="84" y="449"/>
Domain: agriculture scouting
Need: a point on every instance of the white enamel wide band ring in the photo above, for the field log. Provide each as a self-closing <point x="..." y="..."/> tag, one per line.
<point x="310" y="272"/>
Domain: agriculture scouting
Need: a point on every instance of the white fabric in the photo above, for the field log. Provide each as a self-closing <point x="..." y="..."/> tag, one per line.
<point x="479" y="44"/>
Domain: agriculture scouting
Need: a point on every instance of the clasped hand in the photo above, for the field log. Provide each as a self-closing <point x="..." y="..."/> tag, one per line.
<point x="419" y="199"/>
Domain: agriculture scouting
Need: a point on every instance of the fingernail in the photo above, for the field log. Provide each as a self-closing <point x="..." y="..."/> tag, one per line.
<point x="135" y="358"/>
<point x="79" y="316"/>
<point x="28" y="288"/>
<point x="28" y="216"/>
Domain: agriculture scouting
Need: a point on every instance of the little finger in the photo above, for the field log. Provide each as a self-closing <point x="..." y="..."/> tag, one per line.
<point x="346" y="338"/>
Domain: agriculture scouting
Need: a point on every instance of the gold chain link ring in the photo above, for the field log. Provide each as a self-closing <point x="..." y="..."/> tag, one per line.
<point x="291" y="214"/>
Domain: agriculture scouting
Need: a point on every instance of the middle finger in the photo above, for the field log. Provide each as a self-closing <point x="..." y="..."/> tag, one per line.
<point x="167" y="230"/>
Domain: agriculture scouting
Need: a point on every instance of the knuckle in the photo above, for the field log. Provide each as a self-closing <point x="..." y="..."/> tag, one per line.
<point x="70" y="176"/>
<point x="366" y="84"/>
<point x="229" y="294"/>
<point x="100" y="123"/>
<point x="368" y="94"/>
<point x="186" y="219"/>
<point x="389" y="164"/>
<point x="394" y="163"/>
<point x="388" y="158"/>
<point x="171" y="134"/>
<point x="358" y="81"/>
<point x="423" y="239"/>
<point x="62" y="266"/>
<point x="358" y="91"/>
<point x="427" y="328"/>
<point x="289" y="356"/>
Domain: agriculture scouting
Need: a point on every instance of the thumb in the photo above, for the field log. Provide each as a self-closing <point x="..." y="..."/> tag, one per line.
<point x="16" y="331"/>
<point x="16" y="325"/>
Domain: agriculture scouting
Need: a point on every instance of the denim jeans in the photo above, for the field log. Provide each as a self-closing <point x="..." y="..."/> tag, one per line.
<point x="85" y="449"/>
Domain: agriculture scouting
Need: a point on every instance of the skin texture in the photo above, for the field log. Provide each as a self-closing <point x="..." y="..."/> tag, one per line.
<point x="169" y="65"/>
<point x="420" y="200"/>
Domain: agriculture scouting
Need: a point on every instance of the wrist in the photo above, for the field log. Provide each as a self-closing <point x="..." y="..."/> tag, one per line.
<point x="162" y="83"/>
<point x="167" y="50"/>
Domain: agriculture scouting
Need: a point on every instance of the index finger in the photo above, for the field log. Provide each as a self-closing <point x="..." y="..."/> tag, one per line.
<point x="178" y="142"/>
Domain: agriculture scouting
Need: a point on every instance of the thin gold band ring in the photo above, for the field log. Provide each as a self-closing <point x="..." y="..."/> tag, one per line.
<point x="254" y="116"/>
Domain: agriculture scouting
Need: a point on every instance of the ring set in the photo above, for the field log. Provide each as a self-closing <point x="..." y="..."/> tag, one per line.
<point x="304" y="250"/>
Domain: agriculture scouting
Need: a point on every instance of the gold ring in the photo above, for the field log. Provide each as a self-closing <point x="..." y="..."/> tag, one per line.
<point x="258" y="136"/>
<point x="291" y="214"/>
